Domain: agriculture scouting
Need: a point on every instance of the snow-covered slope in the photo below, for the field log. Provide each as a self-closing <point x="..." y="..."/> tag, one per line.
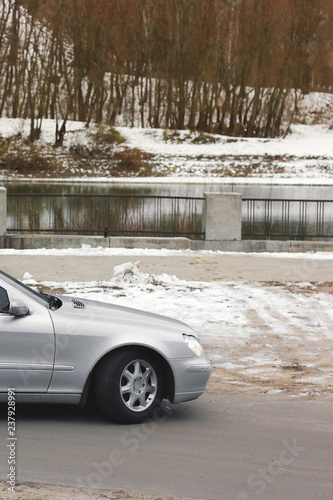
<point x="306" y="152"/>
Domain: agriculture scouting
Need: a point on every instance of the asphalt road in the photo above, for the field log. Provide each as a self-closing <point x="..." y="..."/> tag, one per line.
<point x="191" y="266"/>
<point x="218" y="447"/>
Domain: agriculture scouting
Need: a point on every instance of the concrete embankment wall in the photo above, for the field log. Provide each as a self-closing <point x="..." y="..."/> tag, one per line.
<point x="60" y="241"/>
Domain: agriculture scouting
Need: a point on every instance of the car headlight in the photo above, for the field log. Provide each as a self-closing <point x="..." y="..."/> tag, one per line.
<point x="194" y="345"/>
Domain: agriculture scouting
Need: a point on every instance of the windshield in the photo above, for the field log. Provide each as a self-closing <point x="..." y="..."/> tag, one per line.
<point x="48" y="299"/>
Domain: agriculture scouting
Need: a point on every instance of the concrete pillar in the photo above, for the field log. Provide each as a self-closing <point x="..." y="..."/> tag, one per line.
<point x="3" y="210"/>
<point x="223" y="216"/>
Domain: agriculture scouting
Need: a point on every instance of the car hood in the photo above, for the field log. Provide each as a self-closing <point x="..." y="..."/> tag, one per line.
<point x="87" y="309"/>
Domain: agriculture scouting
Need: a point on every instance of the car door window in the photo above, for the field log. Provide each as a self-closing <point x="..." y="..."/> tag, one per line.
<point x="4" y="301"/>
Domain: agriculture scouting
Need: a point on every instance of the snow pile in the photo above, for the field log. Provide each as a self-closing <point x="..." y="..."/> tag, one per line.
<point x="28" y="278"/>
<point x="130" y="274"/>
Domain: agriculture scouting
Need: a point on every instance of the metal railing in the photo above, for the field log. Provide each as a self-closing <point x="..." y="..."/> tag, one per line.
<point x="143" y="215"/>
<point x="96" y="214"/>
<point x="292" y="219"/>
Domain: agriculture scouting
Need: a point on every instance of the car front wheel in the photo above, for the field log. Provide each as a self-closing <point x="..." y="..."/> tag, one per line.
<point x="129" y="386"/>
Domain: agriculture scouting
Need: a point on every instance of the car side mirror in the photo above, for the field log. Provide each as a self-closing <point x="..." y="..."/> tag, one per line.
<point x="18" y="308"/>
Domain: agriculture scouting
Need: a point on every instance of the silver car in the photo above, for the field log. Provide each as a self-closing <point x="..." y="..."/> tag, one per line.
<point x="61" y="349"/>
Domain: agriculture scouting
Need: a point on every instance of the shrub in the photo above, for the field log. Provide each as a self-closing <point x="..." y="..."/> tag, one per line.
<point x="82" y="152"/>
<point x="132" y="162"/>
<point x="203" y="138"/>
<point x="108" y="135"/>
<point x="173" y="136"/>
<point x="25" y="160"/>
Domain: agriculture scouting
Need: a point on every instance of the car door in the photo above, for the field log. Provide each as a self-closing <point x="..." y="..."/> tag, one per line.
<point x="26" y="347"/>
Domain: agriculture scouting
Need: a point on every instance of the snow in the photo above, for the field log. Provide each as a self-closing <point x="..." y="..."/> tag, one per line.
<point x="258" y="336"/>
<point x="15" y="126"/>
<point x="88" y="250"/>
<point x="306" y="152"/>
<point x="304" y="155"/>
<point x="312" y="141"/>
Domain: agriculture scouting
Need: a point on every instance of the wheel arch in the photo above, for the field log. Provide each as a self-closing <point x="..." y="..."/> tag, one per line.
<point x="169" y="379"/>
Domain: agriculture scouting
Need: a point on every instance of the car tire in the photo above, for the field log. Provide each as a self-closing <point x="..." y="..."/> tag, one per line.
<point x="129" y="386"/>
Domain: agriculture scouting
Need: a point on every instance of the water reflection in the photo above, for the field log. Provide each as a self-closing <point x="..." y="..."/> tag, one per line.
<point x="113" y="215"/>
<point x="173" y="189"/>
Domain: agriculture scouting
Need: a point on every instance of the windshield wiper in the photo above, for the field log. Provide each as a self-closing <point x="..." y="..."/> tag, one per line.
<point x="54" y="302"/>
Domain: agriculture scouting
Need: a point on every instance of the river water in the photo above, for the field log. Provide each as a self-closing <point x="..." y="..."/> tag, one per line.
<point x="252" y="190"/>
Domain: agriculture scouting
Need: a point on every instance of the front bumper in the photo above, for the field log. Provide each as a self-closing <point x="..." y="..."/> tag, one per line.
<point x="191" y="376"/>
